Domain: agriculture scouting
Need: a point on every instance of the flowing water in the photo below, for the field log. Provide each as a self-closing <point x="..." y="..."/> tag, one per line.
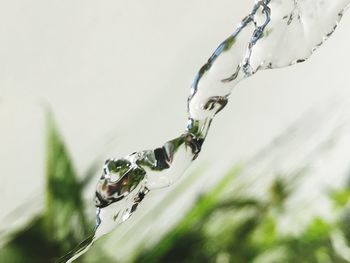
<point x="276" y="33"/>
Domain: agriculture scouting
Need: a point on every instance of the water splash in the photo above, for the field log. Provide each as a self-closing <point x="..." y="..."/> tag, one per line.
<point x="276" y="33"/>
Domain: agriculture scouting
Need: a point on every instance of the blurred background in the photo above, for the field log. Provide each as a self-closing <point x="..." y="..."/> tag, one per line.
<point x="83" y="81"/>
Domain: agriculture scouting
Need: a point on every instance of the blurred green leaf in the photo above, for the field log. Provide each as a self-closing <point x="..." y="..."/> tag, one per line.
<point x="64" y="216"/>
<point x="242" y="229"/>
<point x="279" y="191"/>
<point x="265" y="235"/>
<point x="62" y="224"/>
<point x="344" y="225"/>
<point x="317" y="230"/>
<point x="341" y="197"/>
<point x="187" y="235"/>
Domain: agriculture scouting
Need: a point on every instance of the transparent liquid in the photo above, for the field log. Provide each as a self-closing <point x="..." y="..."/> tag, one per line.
<point x="274" y="34"/>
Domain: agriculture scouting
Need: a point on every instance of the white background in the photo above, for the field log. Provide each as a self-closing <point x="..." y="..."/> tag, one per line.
<point x="116" y="75"/>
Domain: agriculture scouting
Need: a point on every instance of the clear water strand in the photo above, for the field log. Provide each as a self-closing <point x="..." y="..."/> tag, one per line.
<point x="274" y="34"/>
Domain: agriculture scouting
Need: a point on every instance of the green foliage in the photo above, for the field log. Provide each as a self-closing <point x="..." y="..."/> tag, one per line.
<point x="279" y="192"/>
<point x="64" y="215"/>
<point x="242" y="229"/>
<point x="221" y="227"/>
<point x="344" y="225"/>
<point x="313" y="245"/>
<point x="62" y="224"/>
<point x="341" y="197"/>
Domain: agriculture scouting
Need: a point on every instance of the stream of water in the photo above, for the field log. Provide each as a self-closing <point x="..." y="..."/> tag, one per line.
<point x="276" y="33"/>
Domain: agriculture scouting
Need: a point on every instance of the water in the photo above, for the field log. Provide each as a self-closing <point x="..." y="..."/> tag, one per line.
<point x="276" y="33"/>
